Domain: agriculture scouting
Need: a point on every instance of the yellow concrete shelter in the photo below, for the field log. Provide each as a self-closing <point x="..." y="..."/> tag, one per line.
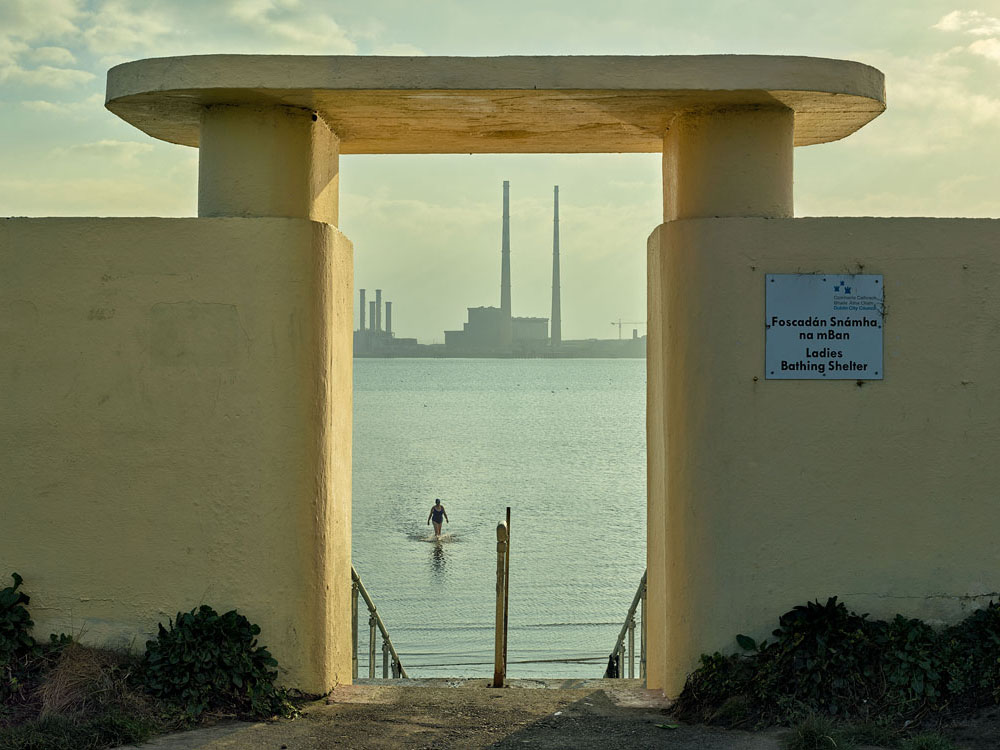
<point x="176" y="421"/>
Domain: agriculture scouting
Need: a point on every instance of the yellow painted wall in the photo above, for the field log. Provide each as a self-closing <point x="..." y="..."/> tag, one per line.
<point x="764" y="494"/>
<point x="175" y="428"/>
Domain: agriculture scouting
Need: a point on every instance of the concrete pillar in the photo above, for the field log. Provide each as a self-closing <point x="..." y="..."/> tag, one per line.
<point x="267" y="161"/>
<point x="734" y="162"/>
<point x="717" y="163"/>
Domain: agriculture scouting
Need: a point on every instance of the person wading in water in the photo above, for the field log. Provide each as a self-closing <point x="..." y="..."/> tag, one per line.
<point x="436" y="514"/>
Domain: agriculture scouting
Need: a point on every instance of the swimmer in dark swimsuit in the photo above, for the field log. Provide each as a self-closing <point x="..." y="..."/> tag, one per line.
<point x="436" y="514"/>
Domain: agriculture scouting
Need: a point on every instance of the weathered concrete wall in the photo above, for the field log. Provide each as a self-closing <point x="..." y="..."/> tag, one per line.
<point x="175" y="428"/>
<point x="763" y="494"/>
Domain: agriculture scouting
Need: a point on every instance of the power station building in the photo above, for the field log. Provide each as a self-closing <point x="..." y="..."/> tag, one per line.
<point x="494" y="330"/>
<point x="371" y="338"/>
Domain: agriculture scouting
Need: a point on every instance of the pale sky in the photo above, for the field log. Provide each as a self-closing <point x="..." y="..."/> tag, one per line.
<point x="426" y="229"/>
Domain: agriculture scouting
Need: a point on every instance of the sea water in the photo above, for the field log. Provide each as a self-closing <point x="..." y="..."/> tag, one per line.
<point x="562" y="442"/>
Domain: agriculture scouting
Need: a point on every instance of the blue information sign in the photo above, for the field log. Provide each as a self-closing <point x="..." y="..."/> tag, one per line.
<point x="823" y="327"/>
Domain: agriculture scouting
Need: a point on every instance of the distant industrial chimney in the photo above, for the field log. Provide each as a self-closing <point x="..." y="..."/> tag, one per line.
<point x="505" y="254"/>
<point x="362" y="326"/>
<point x="371" y="315"/>
<point x="378" y="309"/>
<point x="388" y="318"/>
<point x="556" y="307"/>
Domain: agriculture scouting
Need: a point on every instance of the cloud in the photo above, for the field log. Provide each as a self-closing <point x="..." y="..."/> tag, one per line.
<point x="123" y="153"/>
<point x="973" y="22"/>
<point x="988" y="48"/>
<point x="253" y="11"/>
<point x="935" y="103"/>
<point x="301" y="29"/>
<point x="93" y="196"/>
<point x="117" y="28"/>
<point x="45" y="75"/>
<point x="35" y="19"/>
<point x="92" y="105"/>
<point x="23" y="22"/>
<point x="52" y="56"/>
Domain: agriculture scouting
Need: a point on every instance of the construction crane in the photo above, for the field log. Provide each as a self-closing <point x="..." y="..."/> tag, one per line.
<point x="621" y="323"/>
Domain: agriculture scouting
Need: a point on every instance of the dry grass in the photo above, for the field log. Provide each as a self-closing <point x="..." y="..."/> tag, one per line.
<point x="86" y="680"/>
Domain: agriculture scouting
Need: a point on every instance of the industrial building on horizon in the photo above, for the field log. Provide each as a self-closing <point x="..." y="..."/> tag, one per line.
<point x="495" y="331"/>
<point x="370" y="338"/>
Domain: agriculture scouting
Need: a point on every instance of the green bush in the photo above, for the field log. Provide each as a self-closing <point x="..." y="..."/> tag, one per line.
<point x="15" y="622"/>
<point x="971" y="650"/>
<point x="210" y="662"/>
<point x="821" y="657"/>
<point x="911" y="663"/>
<point x="17" y="647"/>
<point x="829" y="661"/>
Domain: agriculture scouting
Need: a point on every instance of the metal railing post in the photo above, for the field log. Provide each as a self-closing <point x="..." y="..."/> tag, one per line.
<point x="616" y="661"/>
<point x="385" y="660"/>
<point x="374" y="621"/>
<point x="642" y="634"/>
<point x="354" y="629"/>
<point x="631" y="648"/>
<point x="371" y="646"/>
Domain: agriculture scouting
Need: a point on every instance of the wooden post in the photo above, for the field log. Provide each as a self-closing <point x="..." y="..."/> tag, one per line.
<point x="385" y="659"/>
<point x="506" y="592"/>
<point x="499" y="635"/>
<point x="354" y="629"/>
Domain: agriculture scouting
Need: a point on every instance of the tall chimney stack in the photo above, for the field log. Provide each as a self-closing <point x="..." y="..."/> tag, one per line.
<point x="378" y="310"/>
<point x="556" y="306"/>
<point x="371" y="315"/>
<point x="505" y="254"/>
<point x="362" y="326"/>
<point x="388" y="318"/>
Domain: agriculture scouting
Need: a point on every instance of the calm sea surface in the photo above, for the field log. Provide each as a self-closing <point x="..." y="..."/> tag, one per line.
<point x="560" y="441"/>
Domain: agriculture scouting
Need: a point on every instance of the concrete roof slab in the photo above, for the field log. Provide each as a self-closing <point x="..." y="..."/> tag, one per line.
<point x="571" y="104"/>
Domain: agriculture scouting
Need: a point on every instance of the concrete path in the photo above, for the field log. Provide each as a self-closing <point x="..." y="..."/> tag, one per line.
<point x="465" y="714"/>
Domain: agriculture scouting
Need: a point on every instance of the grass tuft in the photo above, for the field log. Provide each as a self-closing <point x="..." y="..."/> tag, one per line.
<point x="927" y="741"/>
<point x="85" y="680"/>
<point x="79" y="732"/>
<point x="85" y="699"/>
<point x="871" y="733"/>
<point x="817" y="733"/>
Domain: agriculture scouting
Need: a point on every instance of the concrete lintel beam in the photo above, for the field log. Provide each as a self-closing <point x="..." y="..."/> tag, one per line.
<point x="384" y="105"/>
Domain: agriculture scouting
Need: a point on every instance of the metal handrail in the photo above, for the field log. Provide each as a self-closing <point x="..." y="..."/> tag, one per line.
<point x="617" y="656"/>
<point x="374" y="621"/>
